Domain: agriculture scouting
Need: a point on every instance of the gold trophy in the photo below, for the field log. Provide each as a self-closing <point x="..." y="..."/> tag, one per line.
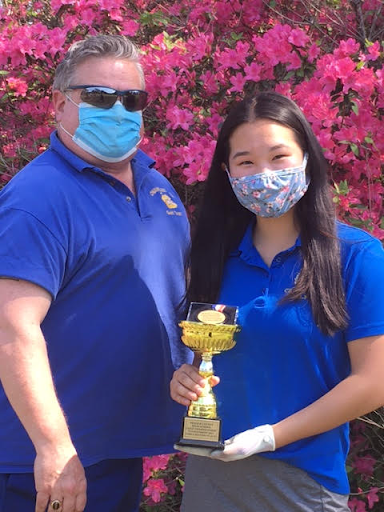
<point x="208" y="330"/>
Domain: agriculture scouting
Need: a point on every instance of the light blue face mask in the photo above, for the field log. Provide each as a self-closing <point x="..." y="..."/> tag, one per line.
<point x="271" y="193"/>
<point x="112" y="134"/>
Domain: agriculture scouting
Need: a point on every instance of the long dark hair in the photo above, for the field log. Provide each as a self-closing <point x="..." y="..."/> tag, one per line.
<point x="223" y="221"/>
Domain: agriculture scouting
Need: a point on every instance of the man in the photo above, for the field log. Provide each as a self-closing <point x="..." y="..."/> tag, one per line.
<point x="93" y="249"/>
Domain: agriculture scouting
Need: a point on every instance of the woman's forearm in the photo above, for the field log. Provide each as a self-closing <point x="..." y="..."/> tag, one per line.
<point x="352" y="397"/>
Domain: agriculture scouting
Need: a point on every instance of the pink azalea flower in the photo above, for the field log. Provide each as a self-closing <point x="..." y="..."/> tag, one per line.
<point x="347" y="48"/>
<point x="372" y="496"/>
<point x="364" y="465"/>
<point x="228" y="59"/>
<point x="179" y="117"/>
<point x="210" y="84"/>
<point x="295" y="61"/>
<point x="313" y="53"/>
<point x="298" y="37"/>
<point x="56" y="4"/>
<point x="253" y="71"/>
<point x="154" y="488"/>
<point x="237" y="82"/>
<point x="17" y="85"/>
<point x="214" y="123"/>
<point x="373" y="51"/>
<point x="130" y="27"/>
<point x="357" y="505"/>
<point x="284" y="88"/>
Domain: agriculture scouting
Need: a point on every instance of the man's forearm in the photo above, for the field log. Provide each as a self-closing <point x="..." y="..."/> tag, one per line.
<point x="26" y="377"/>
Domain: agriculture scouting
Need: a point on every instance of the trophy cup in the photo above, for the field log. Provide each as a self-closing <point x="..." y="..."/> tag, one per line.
<point x="208" y="330"/>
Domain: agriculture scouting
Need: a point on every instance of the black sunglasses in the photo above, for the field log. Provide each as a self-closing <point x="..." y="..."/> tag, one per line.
<point x="105" y="97"/>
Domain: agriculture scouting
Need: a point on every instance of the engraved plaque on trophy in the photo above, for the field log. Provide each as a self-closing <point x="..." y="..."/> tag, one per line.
<point x="208" y="330"/>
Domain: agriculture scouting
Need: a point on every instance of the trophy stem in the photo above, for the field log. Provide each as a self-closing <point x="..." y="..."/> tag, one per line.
<point x="205" y="405"/>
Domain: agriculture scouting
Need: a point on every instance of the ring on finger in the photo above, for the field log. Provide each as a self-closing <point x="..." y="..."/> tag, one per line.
<point x="55" y="504"/>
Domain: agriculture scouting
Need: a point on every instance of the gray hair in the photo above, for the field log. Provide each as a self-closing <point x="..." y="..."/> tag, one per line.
<point x="116" y="46"/>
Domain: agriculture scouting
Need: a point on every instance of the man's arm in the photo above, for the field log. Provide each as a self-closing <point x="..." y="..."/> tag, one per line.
<point x="27" y="380"/>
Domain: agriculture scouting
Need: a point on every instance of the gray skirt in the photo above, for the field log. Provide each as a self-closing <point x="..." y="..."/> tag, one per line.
<point x="255" y="484"/>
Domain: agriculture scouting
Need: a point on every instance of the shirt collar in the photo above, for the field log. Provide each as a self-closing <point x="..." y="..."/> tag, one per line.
<point x="248" y="252"/>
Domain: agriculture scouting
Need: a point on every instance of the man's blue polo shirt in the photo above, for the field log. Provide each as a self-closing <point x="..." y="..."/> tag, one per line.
<point x="114" y="265"/>
<point x="282" y="362"/>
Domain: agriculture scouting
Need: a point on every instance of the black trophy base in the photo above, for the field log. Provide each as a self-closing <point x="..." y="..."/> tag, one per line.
<point x="204" y="433"/>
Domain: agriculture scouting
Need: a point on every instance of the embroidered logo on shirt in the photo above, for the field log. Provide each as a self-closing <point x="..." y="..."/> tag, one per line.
<point x="167" y="200"/>
<point x="287" y="290"/>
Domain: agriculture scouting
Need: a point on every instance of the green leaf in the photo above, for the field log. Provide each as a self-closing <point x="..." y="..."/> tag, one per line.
<point x="354" y="148"/>
<point x="4" y="72"/>
<point x="342" y="189"/>
<point x="368" y="140"/>
<point x="355" y="107"/>
<point x="289" y="75"/>
<point x="360" y="65"/>
<point x="236" y="36"/>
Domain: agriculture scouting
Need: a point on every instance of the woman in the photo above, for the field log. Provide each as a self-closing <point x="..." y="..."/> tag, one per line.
<point x="310" y="292"/>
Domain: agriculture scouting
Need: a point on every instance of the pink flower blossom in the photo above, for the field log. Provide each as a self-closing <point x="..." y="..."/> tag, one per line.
<point x="347" y="48"/>
<point x="313" y="53"/>
<point x="153" y="464"/>
<point x="179" y="117"/>
<point x="130" y="27"/>
<point x="17" y="85"/>
<point x="357" y="505"/>
<point x="364" y="465"/>
<point x="298" y="37"/>
<point x="154" y="488"/>
<point x="253" y="71"/>
<point x="237" y="82"/>
<point x="210" y="84"/>
<point x="227" y="59"/>
<point x="373" y="51"/>
<point x="295" y="61"/>
<point x="372" y="496"/>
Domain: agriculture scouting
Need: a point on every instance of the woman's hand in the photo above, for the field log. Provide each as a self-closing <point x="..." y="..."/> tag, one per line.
<point x="187" y="384"/>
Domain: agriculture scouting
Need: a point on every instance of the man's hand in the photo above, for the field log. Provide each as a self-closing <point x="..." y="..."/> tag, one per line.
<point x="60" y="476"/>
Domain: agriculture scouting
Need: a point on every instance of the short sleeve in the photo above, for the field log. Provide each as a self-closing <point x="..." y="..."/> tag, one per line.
<point x="30" y="251"/>
<point x="364" y="284"/>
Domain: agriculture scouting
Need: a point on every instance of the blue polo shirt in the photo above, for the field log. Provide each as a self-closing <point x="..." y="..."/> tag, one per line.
<point x="114" y="265"/>
<point x="282" y="362"/>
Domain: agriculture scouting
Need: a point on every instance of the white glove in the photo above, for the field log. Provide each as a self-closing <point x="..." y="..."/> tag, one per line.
<point x="240" y="446"/>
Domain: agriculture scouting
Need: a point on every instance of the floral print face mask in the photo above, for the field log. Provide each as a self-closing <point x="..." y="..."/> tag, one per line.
<point x="271" y="193"/>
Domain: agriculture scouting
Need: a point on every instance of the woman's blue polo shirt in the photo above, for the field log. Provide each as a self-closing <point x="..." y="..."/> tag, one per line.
<point x="114" y="264"/>
<point x="282" y="362"/>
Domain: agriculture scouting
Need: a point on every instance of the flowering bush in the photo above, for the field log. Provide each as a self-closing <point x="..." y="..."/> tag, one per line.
<point x="163" y="479"/>
<point x="200" y="56"/>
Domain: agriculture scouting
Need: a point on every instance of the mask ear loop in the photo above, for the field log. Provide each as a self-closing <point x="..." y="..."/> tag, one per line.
<point x="71" y="100"/>
<point x="307" y="176"/>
